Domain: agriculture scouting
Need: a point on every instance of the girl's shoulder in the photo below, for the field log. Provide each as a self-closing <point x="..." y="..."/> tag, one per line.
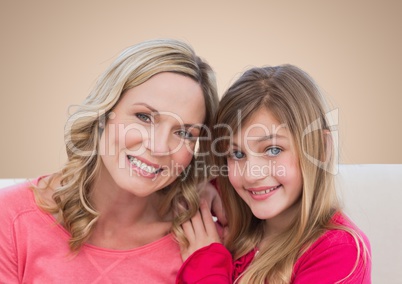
<point x="346" y="237"/>
<point x="350" y="234"/>
<point x="335" y="254"/>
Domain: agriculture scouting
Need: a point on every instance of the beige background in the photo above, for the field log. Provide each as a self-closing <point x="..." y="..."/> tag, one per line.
<point x="52" y="52"/>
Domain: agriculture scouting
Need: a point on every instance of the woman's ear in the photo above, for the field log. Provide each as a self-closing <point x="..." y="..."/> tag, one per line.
<point x="102" y="122"/>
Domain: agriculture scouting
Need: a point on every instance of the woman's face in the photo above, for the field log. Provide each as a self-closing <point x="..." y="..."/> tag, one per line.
<point x="150" y="135"/>
<point x="264" y="168"/>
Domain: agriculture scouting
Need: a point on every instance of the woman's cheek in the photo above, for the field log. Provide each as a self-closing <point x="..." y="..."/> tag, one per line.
<point x="183" y="157"/>
<point x="133" y="137"/>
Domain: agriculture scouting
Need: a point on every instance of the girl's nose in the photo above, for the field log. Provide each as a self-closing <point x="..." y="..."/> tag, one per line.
<point x="255" y="170"/>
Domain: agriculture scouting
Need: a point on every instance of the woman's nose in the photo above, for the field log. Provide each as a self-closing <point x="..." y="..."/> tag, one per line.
<point x="158" y="141"/>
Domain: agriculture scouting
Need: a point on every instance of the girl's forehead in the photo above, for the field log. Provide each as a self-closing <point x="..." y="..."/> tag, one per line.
<point x="261" y="123"/>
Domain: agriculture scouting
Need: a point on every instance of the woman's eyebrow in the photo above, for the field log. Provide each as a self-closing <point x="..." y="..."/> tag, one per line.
<point x="187" y="125"/>
<point x="195" y="125"/>
<point x="147" y="106"/>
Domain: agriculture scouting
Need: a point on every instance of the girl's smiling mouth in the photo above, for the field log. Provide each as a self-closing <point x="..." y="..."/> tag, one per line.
<point x="262" y="193"/>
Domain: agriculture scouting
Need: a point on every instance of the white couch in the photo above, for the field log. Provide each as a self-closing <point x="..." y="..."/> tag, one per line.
<point x="372" y="196"/>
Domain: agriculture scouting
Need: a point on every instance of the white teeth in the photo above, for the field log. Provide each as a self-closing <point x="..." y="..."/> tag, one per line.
<point x="142" y="166"/>
<point x="264" y="191"/>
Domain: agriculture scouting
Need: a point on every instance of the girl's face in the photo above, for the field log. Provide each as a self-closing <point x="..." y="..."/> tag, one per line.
<point x="150" y="135"/>
<point x="264" y="168"/>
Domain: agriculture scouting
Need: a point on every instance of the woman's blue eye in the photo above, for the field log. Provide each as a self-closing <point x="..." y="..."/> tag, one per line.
<point x="185" y="134"/>
<point x="237" y="155"/>
<point x="144" y="117"/>
<point x="274" y="151"/>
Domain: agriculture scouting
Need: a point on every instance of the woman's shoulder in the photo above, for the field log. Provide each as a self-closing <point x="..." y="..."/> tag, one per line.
<point x="17" y="198"/>
<point x="17" y="191"/>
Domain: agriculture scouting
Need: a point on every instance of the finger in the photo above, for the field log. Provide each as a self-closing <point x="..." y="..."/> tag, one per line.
<point x="225" y="233"/>
<point x="184" y="252"/>
<point x="209" y="223"/>
<point x="217" y="209"/>
<point x="207" y="192"/>
<point x="188" y="230"/>
<point x="206" y="214"/>
<point x="198" y="225"/>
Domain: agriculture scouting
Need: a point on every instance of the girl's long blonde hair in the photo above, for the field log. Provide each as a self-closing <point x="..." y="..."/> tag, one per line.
<point x="294" y="100"/>
<point x="133" y="67"/>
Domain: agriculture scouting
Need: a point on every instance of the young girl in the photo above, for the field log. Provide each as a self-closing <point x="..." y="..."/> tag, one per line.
<point x="113" y="213"/>
<point x="274" y="148"/>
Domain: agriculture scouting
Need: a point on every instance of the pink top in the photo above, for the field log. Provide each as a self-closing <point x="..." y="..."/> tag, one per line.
<point x="34" y="249"/>
<point x="329" y="259"/>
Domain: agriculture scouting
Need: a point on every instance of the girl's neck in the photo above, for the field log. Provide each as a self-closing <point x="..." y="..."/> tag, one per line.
<point x="280" y="223"/>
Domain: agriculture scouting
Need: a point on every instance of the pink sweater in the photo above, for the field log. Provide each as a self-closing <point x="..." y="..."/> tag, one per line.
<point x="328" y="260"/>
<point x="34" y="249"/>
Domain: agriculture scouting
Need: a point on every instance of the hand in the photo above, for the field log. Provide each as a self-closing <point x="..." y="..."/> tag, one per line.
<point x="200" y="231"/>
<point x="209" y="193"/>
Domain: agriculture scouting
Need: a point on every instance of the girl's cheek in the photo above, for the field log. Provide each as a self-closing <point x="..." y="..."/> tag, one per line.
<point x="282" y="166"/>
<point x="234" y="177"/>
<point x="279" y="170"/>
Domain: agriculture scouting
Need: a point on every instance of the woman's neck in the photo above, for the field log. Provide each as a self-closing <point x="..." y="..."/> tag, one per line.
<point x="125" y="220"/>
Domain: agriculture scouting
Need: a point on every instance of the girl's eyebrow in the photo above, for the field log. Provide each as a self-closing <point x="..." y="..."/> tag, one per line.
<point x="264" y="138"/>
<point x="270" y="137"/>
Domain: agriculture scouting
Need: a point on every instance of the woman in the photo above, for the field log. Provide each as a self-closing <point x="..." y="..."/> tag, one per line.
<point x="130" y="180"/>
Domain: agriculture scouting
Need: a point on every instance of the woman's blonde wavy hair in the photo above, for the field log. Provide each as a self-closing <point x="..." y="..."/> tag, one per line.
<point x="133" y="67"/>
<point x="294" y="100"/>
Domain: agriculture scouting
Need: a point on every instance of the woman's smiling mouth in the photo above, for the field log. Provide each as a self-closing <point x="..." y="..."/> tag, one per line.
<point x="150" y="169"/>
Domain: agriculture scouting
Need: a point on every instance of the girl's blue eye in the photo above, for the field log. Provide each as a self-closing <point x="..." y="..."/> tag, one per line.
<point x="274" y="151"/>
<point x="237" y="155"/>
<point x="144" y="117"/>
